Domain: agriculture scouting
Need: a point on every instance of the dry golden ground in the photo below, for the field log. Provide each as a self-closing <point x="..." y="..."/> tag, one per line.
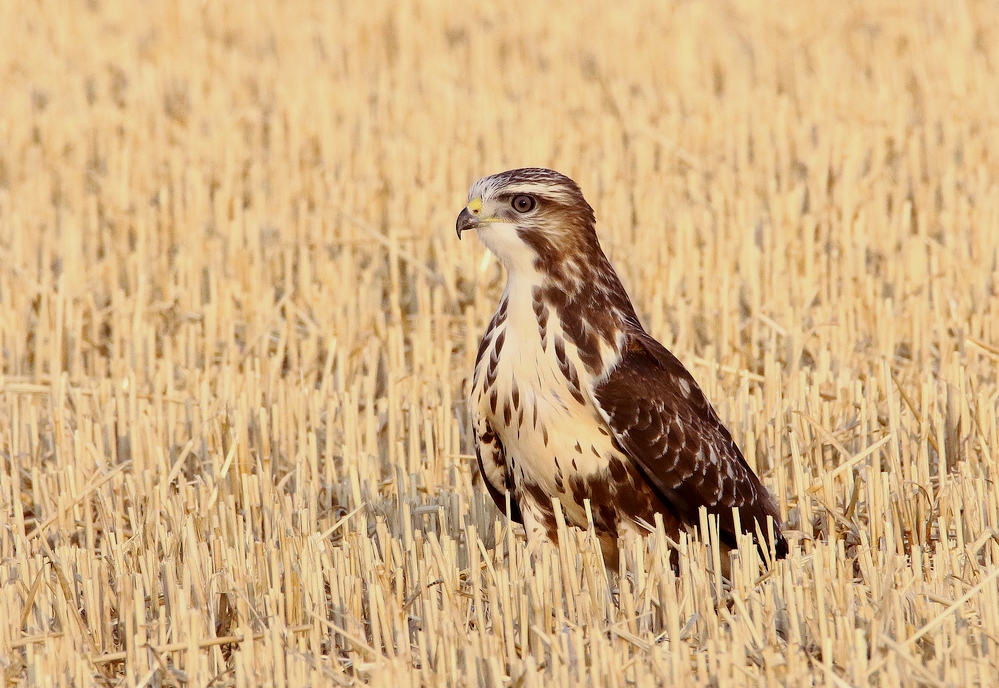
<point x="237" y="331"/>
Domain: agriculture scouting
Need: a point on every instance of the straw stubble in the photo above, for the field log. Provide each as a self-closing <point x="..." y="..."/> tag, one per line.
<point x="237" y="337"/>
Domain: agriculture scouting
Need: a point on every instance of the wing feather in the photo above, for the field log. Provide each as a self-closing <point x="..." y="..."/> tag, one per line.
<point x="664" y="423"/>
<point x="491" y="456"/>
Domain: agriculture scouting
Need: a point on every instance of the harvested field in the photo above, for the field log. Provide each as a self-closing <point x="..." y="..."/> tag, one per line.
<point x="237" y="333"/>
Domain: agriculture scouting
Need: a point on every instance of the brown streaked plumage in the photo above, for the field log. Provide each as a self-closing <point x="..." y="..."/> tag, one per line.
<point x="573" y="400"/>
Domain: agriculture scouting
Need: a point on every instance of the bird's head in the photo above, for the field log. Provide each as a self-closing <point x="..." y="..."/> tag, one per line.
<point x="531" y="219"/>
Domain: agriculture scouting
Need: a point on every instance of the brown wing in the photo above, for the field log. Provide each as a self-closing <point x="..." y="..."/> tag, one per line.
<point x="664" y="423"/>
<point x="492" y="465"/>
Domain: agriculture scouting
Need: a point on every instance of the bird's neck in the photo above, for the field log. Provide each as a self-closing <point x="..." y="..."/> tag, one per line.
<point x="576" y="293"/>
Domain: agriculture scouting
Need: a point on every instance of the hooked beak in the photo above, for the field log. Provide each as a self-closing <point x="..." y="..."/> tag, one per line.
<point x="466" y="220"/>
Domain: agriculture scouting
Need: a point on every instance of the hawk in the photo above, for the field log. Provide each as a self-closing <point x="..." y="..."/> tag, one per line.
<point x="573" y="400"/>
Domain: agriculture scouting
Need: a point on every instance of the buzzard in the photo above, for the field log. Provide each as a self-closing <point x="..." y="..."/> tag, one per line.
<point x="572" y="399"/>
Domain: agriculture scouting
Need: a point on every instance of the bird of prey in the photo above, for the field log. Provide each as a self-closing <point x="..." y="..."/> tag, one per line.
<point x="573" y="400"/>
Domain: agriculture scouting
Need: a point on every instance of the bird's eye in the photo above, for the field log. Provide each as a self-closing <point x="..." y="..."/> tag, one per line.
<point x="523" y="204"/>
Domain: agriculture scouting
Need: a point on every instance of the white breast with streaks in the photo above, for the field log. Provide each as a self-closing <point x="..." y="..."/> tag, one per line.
<point x="548" y="435"/>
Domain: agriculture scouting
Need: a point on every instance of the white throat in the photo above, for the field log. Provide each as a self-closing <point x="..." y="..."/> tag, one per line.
<point x="502" y="240"/>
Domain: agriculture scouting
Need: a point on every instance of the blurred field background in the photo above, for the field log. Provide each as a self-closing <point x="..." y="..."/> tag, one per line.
<point x="237" y="331"/>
